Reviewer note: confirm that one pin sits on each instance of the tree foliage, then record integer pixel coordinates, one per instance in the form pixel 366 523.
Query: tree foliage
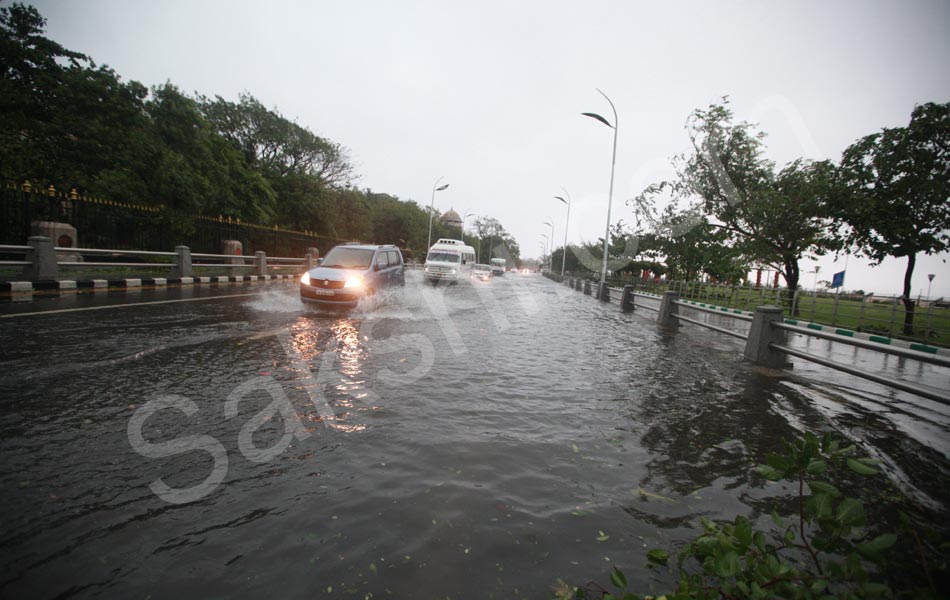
pixel 728 184
pixel 894 197
pixel 66 121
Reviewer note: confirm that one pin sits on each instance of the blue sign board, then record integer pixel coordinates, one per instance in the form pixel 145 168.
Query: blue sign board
pixel 838 280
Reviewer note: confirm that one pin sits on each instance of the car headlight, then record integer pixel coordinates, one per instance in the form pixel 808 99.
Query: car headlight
pixel 305 279
pixel 452 271
pixel 354 282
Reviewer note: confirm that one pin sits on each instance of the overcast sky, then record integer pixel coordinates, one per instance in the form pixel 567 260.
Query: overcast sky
pixel 488 94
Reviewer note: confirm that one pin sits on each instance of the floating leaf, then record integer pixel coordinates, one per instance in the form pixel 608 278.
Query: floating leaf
pixel 645 494
pixel 602 537
pixel 618 579
pixel 658 556
pixel 778 520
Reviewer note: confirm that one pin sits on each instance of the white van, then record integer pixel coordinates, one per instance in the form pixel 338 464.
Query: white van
pixel 449 260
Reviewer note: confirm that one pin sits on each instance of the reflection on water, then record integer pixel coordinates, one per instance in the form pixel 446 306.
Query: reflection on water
pixel 459 444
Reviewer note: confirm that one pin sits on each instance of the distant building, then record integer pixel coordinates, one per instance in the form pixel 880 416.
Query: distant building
pixel 451 218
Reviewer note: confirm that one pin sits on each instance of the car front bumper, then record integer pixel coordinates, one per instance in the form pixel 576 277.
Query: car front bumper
pixel 347 297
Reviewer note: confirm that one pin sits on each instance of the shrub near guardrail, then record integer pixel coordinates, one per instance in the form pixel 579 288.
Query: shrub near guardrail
pixel 826 551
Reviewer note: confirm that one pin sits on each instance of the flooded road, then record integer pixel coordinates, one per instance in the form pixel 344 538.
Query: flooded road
pixel 462 442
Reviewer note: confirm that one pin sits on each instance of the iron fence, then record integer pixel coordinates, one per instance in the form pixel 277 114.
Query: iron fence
pixel 112 225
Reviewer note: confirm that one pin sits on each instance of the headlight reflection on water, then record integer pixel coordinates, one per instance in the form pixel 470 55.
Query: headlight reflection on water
pixel 334 356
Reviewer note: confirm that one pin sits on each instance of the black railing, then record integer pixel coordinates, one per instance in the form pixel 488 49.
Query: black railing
pixel 126 226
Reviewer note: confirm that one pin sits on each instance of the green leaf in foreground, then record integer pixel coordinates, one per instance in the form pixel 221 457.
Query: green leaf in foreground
pixel 861 468
pixel 658 556
pixel 618 579
pixel 872 550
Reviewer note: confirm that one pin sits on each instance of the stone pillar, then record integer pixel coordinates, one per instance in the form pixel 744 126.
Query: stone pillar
pixel 63 235
pixel 762 333
pixel 182 262
pixel 627 299
pixel 309 261
pixel 587 288
pixel 233 247
pixel 668 310
pixel 260 262
pixel 42 258
pixel 604 295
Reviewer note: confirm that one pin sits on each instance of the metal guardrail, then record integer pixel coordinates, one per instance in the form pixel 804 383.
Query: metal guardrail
pixel 923 391
pixel 760 344
pixel 860 312
pixel 730 332
pixel 42 260
pixel 111 252
pixel 721 311
pixel 859 343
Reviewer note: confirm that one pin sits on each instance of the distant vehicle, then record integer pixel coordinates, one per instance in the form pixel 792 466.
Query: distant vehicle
pixel 449 260
pixel 498 266
pixel 481 272
pixel 350 272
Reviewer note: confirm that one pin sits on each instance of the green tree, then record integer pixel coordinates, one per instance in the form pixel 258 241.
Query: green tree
pixel 63 118
pixel 774 219
pixel 198 171
pixel 895 198
pixel 691 246
pixel 304 169
pixel 494 241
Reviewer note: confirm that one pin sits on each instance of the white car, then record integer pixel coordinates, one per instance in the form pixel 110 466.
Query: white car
pixel 481 272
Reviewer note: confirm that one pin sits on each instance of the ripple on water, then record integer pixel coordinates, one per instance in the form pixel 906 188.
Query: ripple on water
pixel 482 439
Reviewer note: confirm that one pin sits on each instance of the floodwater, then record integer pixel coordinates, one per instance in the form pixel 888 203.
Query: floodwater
pixel 475 441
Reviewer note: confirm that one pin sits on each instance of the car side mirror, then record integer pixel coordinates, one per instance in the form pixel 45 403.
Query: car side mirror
pixel 320 261
pixel 375 266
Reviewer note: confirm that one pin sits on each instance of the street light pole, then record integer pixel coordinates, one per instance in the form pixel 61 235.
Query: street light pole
pixel 435 188
pixel 550 223
pixel 610 196
pixel 467 215
pixel 544 246
pixel 566 223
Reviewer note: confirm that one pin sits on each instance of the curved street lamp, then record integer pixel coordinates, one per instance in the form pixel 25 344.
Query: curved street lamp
pixel 435 188
pixel 610 196
pixel 550 223
pixel 566 223
pixel 467 215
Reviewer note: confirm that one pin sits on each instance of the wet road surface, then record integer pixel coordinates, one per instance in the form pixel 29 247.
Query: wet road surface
pixel 465 442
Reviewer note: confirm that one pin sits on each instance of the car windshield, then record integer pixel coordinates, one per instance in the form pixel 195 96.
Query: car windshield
pixel 443 257
pixel 482 268
pixel 348 258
